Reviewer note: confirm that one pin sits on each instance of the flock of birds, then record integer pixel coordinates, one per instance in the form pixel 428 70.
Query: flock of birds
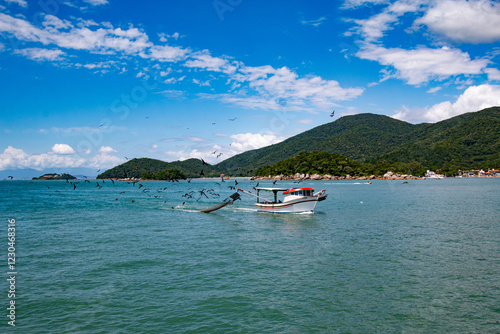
pixel 144 189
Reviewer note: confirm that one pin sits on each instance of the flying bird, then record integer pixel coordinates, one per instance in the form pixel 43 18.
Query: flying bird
pixel 201 173
pixel 233 119
pixel 332 114
pixel 204 163
pixel 218 155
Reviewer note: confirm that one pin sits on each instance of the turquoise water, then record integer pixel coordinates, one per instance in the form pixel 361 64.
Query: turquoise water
pixel 422 257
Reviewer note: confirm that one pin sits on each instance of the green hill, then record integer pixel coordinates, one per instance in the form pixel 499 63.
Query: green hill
pixel 466 141
pixel 137 168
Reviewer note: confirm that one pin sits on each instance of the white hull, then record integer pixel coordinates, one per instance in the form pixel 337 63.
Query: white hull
pixel 299 205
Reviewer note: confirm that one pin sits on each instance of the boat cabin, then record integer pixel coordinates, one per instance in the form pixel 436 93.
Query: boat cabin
pixel 269 199
pixel 289 194
pixel 299 192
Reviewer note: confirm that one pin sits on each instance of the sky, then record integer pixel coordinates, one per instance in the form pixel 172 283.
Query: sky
pixel 93 83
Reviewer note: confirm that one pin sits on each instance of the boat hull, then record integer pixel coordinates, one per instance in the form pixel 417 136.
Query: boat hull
pixel 305 205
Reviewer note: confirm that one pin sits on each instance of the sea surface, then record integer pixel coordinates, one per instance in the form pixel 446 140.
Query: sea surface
pixel 386 257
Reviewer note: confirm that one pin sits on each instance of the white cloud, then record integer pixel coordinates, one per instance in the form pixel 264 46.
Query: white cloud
pixel 250 141
pixel 352 4
pixel 172 93
pixel 434 89
pixel 314 23
pixel 423 64
pixel 107 149
pixel 240 143
pixel 104 160
pixel 39 54
pixel 14 158
pixel 373 28
pixel 473 21
pixel 96 2
pixel 22 3
pixel 165 53
pixel 272 89
pixel 475 98
pixel 205 61
pixel 493 74
pixel 103 38
pixel 62 149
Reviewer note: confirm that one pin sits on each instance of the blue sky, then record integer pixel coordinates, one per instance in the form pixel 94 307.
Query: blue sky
pixel 91 83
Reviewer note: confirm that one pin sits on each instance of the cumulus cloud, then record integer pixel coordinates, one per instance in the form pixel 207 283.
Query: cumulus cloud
pixel 474 98
pixel 107 150
pixel 250 141
pixel 104 159
pixel 61 156
pixel 240 143
pixel 474 21
pixel 423 64
pixel 14 158
pixel 92 37
pixel 63 149
pixel 493 74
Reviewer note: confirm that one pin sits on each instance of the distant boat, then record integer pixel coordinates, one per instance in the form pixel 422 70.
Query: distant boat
pixel 433 175
pixel 294 200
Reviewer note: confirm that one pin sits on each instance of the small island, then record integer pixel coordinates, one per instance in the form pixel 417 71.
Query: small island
pixel 55 176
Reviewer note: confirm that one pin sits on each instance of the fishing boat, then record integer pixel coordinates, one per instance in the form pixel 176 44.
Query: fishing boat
pixel 294 199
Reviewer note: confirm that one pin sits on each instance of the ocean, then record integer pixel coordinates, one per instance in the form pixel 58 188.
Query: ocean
pixel 386 257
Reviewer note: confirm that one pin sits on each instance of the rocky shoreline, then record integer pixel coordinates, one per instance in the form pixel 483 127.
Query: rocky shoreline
pixel 313 177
